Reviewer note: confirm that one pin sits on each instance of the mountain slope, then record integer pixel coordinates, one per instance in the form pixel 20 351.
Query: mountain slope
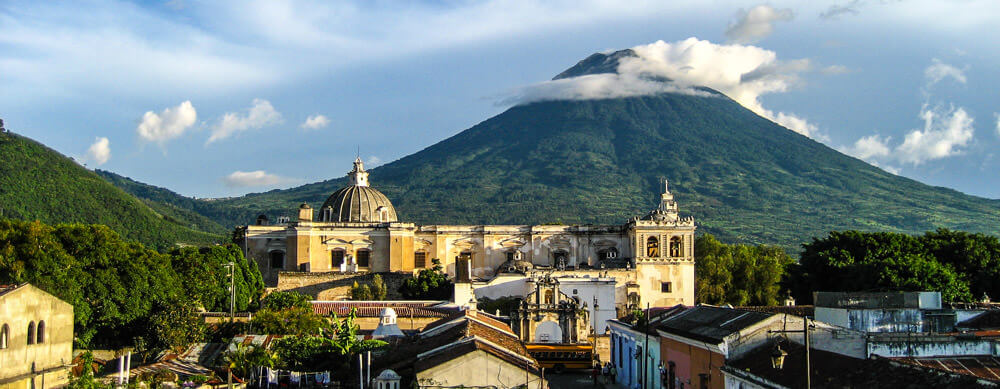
pixel 183 210
pixel 743 177
pixel 38 183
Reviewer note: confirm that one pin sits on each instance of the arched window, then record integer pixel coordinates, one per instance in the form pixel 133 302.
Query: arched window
pixel 363 256
pixel 652 247
pixel 676 247
pixel 336 258
pixel 31 333
pixel 40 338
pixel 4 335
pixel 277 259
pixel 550 297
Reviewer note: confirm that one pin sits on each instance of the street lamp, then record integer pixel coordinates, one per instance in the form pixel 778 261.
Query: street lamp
pixel 778 356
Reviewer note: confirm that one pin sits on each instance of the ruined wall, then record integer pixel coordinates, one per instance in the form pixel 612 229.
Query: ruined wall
pixel 336 285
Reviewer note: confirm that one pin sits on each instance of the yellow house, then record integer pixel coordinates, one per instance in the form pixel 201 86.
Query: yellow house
pixel 36 338
pixel 357 230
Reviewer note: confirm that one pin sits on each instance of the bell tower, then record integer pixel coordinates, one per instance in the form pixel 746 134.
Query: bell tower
pixel 358 176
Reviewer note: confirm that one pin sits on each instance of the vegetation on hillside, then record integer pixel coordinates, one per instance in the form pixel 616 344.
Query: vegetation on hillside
pixel 123 293
pixel 962 266
pixel 38 183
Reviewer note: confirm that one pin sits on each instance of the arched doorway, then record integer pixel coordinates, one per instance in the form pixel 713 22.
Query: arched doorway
pixel 548 332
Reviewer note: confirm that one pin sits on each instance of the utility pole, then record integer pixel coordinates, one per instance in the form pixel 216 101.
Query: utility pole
pixel 805 341
pixel 232 291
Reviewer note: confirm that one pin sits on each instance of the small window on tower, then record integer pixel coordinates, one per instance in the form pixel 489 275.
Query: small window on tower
pixel 665 287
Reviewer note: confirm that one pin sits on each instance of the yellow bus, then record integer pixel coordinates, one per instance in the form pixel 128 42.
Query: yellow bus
pixel 559 357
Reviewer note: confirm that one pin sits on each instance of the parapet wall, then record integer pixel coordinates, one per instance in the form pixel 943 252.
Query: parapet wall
pixel 336 285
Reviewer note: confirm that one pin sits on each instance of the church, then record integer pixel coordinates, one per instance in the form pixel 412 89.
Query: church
pixel 358 231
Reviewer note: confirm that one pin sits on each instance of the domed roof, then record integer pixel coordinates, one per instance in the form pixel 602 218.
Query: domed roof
pixel 358 202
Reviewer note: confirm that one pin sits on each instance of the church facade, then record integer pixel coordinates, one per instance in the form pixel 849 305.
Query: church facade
pixel 357 230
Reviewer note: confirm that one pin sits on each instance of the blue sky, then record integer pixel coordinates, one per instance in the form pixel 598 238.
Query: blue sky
pixel 224 98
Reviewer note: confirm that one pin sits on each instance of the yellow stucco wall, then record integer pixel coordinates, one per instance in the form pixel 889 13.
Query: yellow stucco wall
pixel 19 360
pixel 478 369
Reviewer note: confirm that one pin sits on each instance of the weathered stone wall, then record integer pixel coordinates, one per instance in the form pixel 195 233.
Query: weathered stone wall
pixel 336 285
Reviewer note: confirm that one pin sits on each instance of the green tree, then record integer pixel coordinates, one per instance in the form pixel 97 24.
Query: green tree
pixel 738 274
pixel 242 359
pixel 176 326
pixel 317 352
pixel 360 292
pixel 290 321
pixel 850 261
pixel 277 301
pixel 429 284
pixel 378 288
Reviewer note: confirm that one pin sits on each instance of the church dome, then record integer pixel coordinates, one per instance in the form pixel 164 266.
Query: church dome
pixel 358 202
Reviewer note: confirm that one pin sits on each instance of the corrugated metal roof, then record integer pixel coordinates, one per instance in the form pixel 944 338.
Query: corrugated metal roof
pixel 986 367
pixel 710 324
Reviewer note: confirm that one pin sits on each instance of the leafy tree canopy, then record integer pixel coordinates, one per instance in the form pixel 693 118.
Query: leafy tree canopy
pixel 738 274
pixel 960 265
pixel 116 286
pixel 429 284
pixel 278 301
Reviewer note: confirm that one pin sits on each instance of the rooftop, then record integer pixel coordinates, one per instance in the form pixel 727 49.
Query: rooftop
pixel 985 367
pixel 404 309
pixel 831 370
pixel 710 324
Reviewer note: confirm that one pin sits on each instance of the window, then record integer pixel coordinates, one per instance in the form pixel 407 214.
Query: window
pixel 610 253
pixel 40 338
pixel 510 256
pixel 336 258
pixel 676 247
pixel 420 259
pixel 652 247
pixel 363 256
pixel 704 380
pixel 4 336
pixel 31 333
pixel 665 287
pixel 549 297
pixel 277 260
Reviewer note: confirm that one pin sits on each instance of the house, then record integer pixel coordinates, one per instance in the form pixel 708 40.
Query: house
pixel 36 338
pixel 635 348
pixel 472 350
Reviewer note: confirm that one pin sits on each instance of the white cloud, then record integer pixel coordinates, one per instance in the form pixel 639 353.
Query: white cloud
pixel 833 70
pixel 596 86
pixel 373 161
pixel 261 114
pixel 756 24
pixel 997 115
pixel 944 134
pixel 938 71
pixel 100 151
pixel 315 122
pixel 742 72
pixel 869 147
pixel 168 124
pixel 256 178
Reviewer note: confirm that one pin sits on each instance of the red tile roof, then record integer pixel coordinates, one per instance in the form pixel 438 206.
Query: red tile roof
pixel 374 308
